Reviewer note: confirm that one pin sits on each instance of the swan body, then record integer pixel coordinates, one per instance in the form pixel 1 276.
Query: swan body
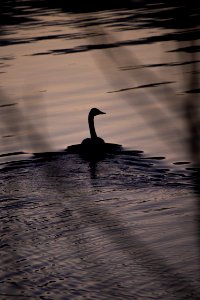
pixel 93 146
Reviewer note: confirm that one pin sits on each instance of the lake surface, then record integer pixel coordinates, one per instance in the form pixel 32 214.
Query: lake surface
pixel 126 226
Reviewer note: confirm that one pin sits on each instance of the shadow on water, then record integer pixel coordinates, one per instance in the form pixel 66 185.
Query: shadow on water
pixel 138 251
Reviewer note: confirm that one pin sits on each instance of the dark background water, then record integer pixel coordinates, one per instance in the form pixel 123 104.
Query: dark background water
pixel 127 226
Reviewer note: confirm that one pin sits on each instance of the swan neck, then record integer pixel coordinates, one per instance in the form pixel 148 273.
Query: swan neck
pixel 91 127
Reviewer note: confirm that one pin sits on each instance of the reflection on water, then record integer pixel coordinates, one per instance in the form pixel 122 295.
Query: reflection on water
pixel 122 227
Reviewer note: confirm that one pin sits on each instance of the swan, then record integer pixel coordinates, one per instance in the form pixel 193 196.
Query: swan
pixel 94 139
pixel 93 146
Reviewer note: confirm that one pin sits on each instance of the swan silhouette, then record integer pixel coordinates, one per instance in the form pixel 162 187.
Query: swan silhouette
pixel 93 146
pixel 94 140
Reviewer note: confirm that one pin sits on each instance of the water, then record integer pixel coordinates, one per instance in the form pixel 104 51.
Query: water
pixel 54 69
pixel 120 228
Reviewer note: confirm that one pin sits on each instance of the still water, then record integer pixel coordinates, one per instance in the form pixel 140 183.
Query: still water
pixel 120 228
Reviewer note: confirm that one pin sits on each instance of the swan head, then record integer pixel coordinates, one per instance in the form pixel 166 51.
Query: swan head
pixel 95 111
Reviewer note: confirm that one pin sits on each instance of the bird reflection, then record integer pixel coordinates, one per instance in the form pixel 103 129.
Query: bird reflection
pixel 93 169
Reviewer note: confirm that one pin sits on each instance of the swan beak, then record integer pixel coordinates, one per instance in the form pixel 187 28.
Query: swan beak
pixel 102 113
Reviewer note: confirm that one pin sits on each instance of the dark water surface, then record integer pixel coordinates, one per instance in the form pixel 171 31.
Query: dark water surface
pixel 122 228
pixel 125 227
